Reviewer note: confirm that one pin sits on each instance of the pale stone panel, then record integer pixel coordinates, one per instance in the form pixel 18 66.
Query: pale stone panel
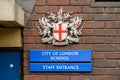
pixel 11 13
pixel 10 37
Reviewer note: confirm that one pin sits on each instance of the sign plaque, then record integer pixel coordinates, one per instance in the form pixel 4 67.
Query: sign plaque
pixel 61 67
pixel 60 60
pixel 60 55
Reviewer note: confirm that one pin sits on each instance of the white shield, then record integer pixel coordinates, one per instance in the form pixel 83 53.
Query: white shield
pixel 60 31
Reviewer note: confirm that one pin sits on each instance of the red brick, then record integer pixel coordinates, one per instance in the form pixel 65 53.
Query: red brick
pixel 118 17
pixel 118 47
pixel 40 46
pixel 74 9
pixel 112 55
pixel 112 71
pixel 118 78
pixel 105 63
pixel 34 77
pixel 85 16
pixel 26 63
pixel 93 24
pixel 28 39
pixel 82 46
pixel 105 47
pixel 100 34
pixel 38 40
pixel 112 39
pixel 98 55
pixel 105 32
pixel 119 63
pixel 25 55
pixel 87 9
pixel 37 24
pixel 80 2
pixel 58 77
pixel 87 77
pixel 26 71
pixel 30 25
pixel 118 32
pixel 64 77
pixel 58 2
pixel 35 17
pixel 113 10
pixel 87 32
pixel 45 9
pixel 112 24
pixel 50 46
pixel 98 71
pixel 28 47
pixel 105 17
pixel 31 32
pixel 40 2
pixel 93 39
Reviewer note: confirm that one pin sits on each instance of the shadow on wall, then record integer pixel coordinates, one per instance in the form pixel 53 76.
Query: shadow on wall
pixel 27 6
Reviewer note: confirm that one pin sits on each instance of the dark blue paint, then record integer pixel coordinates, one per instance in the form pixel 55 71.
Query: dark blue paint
pixel 7 58
pixel 83 56
pixel 53 67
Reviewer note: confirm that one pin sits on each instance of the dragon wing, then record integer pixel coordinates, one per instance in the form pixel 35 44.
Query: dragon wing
pixel 42 23
pixel 78 22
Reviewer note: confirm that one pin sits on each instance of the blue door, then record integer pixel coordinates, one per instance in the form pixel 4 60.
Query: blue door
pixel 9 65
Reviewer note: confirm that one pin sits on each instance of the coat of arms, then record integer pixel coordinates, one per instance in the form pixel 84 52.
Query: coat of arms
pixel 60 29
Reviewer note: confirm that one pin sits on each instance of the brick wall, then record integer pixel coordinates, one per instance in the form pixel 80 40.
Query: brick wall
pixel 101 34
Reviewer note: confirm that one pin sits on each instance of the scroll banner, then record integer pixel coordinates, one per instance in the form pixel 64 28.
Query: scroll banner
pixel 60 60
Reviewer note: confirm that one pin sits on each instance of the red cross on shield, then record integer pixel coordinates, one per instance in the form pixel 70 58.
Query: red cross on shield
pixel 60 31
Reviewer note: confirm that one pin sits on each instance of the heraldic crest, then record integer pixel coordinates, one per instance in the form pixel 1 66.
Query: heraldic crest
pixel 60 29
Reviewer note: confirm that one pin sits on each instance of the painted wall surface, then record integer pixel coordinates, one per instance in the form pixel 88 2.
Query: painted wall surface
pixel 101 34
